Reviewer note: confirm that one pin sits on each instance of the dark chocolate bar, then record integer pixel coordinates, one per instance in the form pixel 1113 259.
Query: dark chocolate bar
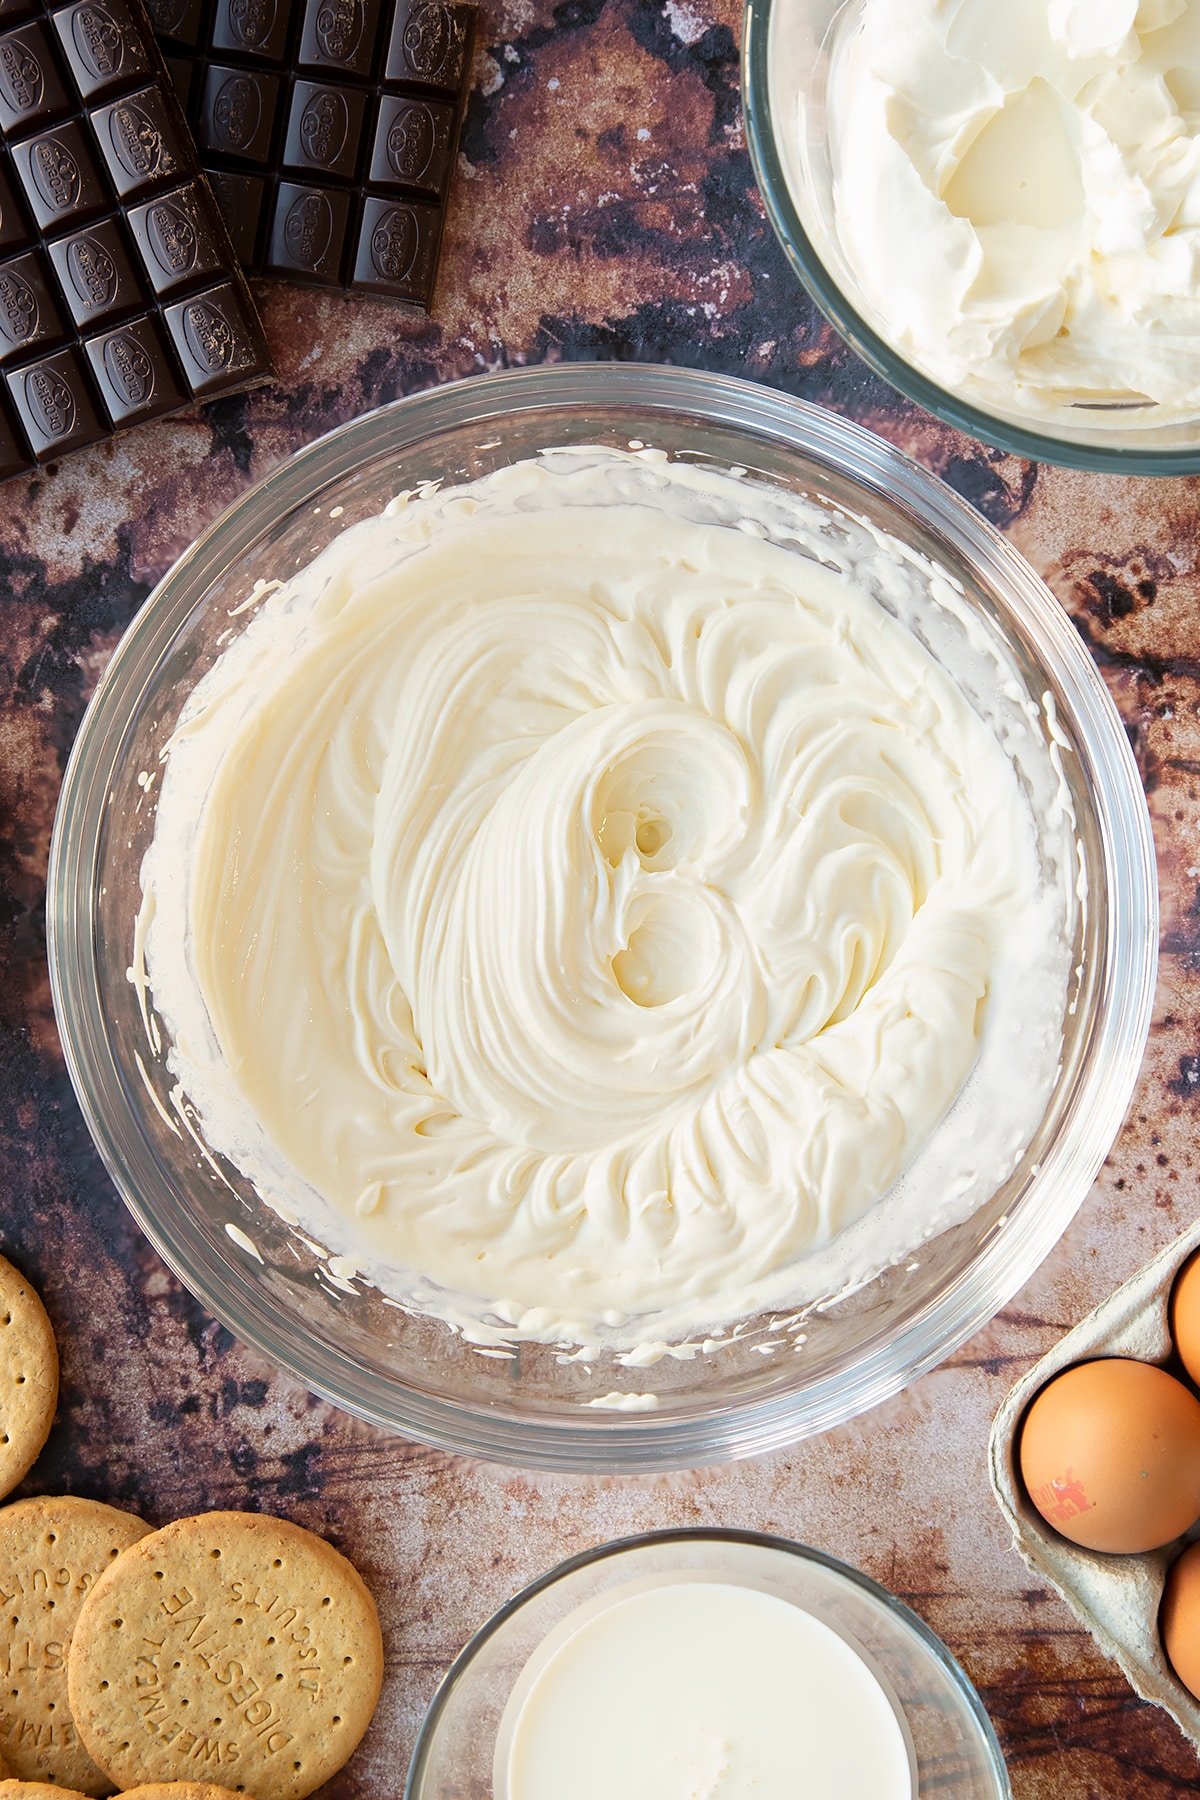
pixel 120 294
pixel 328 129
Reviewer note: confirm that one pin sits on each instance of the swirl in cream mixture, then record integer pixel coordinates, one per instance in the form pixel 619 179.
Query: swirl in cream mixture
pixel 589 903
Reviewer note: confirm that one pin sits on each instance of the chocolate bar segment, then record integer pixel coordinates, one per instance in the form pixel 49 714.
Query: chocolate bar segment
pixel 329 130
pixel 398 249
pixel 339 36
pixel 142 142
pixel 325 127
pixel 176 240
pixel 181 21
pixel 54 401
pixel 428 46
pixel 237 119
pixel 215 335
pixel 31 90
pixel 308 234
pixel 29 315
pixel 103 47
pixel 135 372
pixel 61 181
pixel 413 144
pixel 251 28
pixel 96 275
pixel 121 297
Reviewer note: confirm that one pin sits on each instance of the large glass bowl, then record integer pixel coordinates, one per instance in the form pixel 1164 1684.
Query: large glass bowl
pixel 785 85
pixel 951 1741
pixel 413 1375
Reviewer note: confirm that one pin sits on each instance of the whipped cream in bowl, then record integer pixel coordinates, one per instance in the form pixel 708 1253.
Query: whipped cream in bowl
pixel 999 206
pixel 616 913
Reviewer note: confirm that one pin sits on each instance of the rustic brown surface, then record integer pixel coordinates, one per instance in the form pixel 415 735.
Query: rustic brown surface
pixel 606 208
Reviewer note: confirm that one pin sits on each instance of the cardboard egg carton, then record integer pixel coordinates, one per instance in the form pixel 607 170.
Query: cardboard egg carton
pixel 1117 1597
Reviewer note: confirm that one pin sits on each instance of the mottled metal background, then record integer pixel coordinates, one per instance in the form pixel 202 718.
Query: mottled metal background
pixel 605 208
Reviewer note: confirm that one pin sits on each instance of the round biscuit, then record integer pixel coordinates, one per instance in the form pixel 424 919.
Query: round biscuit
pixel 234 1647
pixel 179 1790
pixel 51 1552
pixel 28 1376
pixel 36 1790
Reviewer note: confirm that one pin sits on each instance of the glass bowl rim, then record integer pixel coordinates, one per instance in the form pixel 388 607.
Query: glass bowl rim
pixel 807 263
pixel 761 1540
pixel 606 1441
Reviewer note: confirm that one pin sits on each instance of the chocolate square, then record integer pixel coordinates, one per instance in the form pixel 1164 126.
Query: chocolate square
pixel 240 201
pixel 178 21
pixel 59 176
pixel 96 273
pixel 308 233
pixel 134 371
pixel 397 249
pixel 413 140
pixel 216 338
pixel 29 315
pixel 32 90
pixel 141 141
pixel 428 45
pixel 324 129
pixel 238 114
pixel 103 46
pixel 54 402
pixel 175 238
pixel 339 34
pixel 251 27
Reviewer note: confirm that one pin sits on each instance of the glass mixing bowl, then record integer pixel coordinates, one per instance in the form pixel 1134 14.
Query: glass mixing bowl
pixel 953 1746
pixel 785 84
pixel 412 1374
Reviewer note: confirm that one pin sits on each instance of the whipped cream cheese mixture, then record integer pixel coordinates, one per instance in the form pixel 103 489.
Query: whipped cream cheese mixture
pixel 579 896
pixel 1017 192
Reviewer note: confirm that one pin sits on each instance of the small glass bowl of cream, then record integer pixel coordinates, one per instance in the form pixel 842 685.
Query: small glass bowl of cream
pixel 690 1662
pixel 1000 220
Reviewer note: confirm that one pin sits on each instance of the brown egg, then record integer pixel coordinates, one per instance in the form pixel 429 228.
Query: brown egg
pixel 1179 1620
pixel 1110 1455
pixel 1185 1316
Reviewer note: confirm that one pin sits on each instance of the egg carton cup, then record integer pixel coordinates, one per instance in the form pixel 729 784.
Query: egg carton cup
pixel 1116 1597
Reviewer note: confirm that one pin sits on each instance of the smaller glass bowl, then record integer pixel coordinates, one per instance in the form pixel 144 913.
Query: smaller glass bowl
pixel 785 85
pixel 954 1747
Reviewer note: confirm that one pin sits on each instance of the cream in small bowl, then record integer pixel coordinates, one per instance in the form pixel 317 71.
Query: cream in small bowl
pixel 705 1662
pixel 1017 191
pixel 673 1685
